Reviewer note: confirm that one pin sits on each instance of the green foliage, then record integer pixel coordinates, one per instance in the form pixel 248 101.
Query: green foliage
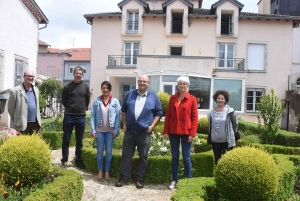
pixel 247 173
pixel 42 102
pixel 196 189
pixel 252 139
pixel 50 88
pixel 164 100
pixel 26 159
pixel 270 112
pixel 67 186
pixel 202 125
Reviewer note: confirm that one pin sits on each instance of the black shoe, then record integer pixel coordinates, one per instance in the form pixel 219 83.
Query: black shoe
pixel 139 183
pixel 79 164
pixel 121 182
pixel 64 164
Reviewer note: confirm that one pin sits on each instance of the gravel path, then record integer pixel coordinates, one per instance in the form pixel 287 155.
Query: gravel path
pixel 95 190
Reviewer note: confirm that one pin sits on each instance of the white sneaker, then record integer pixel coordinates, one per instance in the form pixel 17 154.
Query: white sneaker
pixel 172 185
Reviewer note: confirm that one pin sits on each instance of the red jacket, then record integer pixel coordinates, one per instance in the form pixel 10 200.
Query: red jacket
pixel 182 119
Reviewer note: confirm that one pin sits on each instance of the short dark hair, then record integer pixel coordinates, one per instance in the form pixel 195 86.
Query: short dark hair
pixel 221 92
pixel 107 83
pixel 78 68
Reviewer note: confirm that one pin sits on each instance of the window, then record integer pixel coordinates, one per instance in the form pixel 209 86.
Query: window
pixel 176 51
pixel 226 52
pixel 234 87
pixel 21 65
pixel 253 97
pixel 200 88
pixel 133 23
pixel 131 51
pixel 256 56
pixel 298 84
pixel 226 24
pixel 177 22
pixel 71 69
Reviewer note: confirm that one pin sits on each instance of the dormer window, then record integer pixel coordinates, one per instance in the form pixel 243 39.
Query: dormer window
pixel 226 24
pixel 177 22
pixel 132 23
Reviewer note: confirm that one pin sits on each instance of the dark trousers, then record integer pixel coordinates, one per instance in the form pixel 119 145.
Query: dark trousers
pixel 68 124
pixel 130 141
pixel 219 149
pixel 31 128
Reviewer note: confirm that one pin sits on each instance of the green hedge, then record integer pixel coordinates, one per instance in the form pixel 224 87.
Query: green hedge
pixel 159 167
pixel 196 189
pixel 67 186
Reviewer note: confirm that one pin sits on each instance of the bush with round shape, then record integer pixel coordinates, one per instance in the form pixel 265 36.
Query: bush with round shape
pixel 26 159
pixel 164 100
pixel 202 125
pixel 247 174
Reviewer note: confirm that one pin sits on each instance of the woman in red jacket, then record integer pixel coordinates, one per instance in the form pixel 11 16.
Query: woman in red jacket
pixel 181 123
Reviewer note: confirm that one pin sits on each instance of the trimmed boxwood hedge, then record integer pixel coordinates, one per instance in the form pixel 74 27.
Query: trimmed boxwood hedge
pixel 67 186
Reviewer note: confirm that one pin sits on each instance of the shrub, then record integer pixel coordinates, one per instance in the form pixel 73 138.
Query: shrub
pixel 247 173
pixel 252 139
pixel 164 100
pixel 26 159
pixel 202 125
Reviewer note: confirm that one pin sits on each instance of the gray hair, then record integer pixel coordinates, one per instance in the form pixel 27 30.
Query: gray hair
pixel 183 79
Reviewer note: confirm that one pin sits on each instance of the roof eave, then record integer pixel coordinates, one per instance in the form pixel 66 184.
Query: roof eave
pixel 38 9
pixel 204 16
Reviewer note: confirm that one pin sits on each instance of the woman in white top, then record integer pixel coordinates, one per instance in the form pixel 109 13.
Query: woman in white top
pixel 222 125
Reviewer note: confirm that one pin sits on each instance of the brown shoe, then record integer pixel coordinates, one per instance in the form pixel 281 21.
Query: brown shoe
pixel 107 176
pixel 139 183
pixel 121 182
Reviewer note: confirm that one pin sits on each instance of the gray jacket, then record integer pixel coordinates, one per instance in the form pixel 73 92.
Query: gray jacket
pixel 18 107
pixel 230 126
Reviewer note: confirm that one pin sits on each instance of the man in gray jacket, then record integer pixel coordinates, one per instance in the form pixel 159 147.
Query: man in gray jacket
pixel 23 106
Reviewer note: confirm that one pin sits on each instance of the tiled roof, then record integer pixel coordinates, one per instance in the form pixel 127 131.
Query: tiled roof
pixel 76 54
pixel 103 14
pixel 268 16
pixel 43 43
pixel 239 4
pixel 154 13
pixel 122 3
pixel 201 11
pixel 36 11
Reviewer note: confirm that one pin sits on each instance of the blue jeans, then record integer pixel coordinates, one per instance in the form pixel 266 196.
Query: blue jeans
pixel 130 141
pixel 186 152
pixel 104 139
pixel 68 125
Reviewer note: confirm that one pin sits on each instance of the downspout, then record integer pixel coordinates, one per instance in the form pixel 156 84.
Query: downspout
pixel 43 27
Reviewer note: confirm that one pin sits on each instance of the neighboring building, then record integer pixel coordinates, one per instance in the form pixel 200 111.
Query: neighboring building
pixel 20 20
pixel 51 61
pixel 288 7
pixel 218 48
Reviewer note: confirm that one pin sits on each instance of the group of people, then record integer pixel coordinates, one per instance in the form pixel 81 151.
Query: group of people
pixel 141 111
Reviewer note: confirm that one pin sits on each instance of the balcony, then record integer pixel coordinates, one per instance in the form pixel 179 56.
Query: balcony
pixel 132 27
pixel 122 61
pixel 176 27
pixel 226 28
pixel 230 64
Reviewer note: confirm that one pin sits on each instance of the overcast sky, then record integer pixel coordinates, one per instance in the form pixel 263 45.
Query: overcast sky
pixel 67 27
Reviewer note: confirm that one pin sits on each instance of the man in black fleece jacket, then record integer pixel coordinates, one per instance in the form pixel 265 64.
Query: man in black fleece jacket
pixel 75 98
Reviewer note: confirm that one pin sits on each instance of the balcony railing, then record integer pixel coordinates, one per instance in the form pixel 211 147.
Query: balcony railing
pixel 176 26
pixel 230 64
pixel 122 60
pixel 132 27
pixel 226 28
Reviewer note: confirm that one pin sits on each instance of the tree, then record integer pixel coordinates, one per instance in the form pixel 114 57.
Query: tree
pixel 49 89
pixel 270 112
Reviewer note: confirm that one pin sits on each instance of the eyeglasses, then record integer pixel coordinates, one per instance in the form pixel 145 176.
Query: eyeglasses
pixel 142 81
pixel 182 83
pixel 30 76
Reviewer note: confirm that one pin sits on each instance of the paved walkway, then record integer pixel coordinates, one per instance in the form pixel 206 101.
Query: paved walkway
pixel 95 190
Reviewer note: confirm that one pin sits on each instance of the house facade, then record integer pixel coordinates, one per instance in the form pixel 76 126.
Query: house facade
pixel 20 23
pixel 217 48
pixel 289 7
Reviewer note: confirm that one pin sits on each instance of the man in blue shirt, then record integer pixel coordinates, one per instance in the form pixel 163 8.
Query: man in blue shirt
pixel 141 110
pixel 23 106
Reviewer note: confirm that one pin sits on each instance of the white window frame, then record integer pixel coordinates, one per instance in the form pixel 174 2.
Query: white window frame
pixel 132 25
pixel 264 56
pixel 225 56
pixel 254 90
pixel 132 61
